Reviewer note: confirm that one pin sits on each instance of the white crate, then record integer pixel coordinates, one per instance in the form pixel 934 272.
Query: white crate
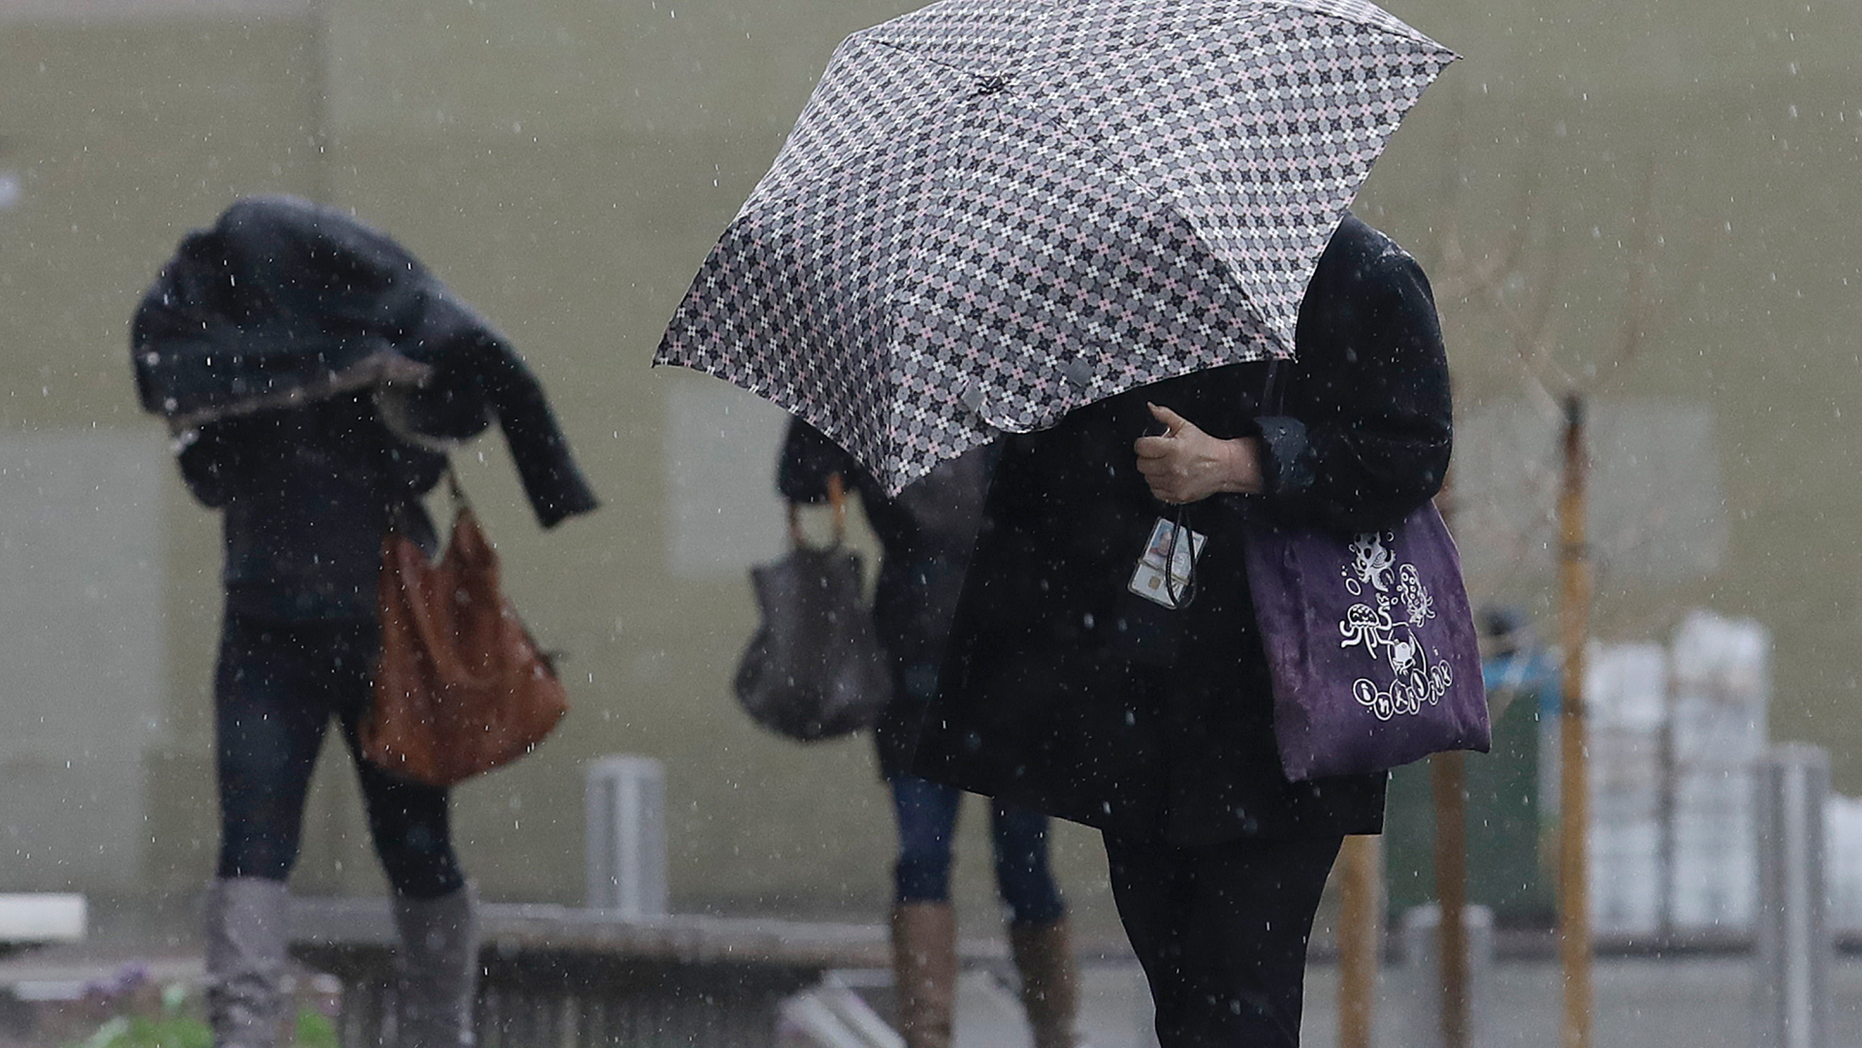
pixel 1625 878
pixel 1626 686
pixel 1722 691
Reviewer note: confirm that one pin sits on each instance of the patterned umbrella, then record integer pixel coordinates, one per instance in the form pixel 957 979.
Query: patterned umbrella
pixel 992 212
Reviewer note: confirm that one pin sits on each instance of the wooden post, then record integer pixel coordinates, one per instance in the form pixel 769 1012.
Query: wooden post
pixel 1448 776
pixel 1360 935
pixel 1448 783
pixel 1574 933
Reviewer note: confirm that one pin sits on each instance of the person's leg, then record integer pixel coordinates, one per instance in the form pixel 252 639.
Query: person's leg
pixel 927 819
pixel 412 831
pixel 1222 934
pixel 437 969
pixel 1254 907
pixel 1023 874
pixel 924 927
pixel 1151 892
pixel 435 907
pixel 1039 939
pixel 269 720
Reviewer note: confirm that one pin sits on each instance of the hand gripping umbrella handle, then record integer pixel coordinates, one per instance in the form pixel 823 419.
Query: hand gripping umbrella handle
pixel 837 498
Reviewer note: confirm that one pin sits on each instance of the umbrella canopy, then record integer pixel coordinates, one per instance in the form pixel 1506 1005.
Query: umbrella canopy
pixel 992 212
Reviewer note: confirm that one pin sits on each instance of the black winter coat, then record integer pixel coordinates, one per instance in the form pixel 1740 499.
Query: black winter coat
pixel 285 301
pixel 306 494
pixel 261 340
pixel 1060 691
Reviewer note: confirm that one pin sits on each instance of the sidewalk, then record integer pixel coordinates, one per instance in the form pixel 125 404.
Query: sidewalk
pixel 1692 1002
pixel 1688 1002
pixel 1700 1002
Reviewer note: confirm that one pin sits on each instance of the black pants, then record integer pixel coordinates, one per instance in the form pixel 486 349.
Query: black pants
pixel 278 686
pixel 1221 931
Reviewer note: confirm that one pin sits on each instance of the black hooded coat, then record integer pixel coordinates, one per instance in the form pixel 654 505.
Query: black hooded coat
pixel 308 364
pixel 1063 692
pixel 283 303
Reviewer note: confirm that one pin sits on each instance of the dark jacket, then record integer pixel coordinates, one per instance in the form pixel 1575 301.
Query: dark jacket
pixel 306 495
pixel 925 535
pixel 1063 692
pixel 262 342
pixel 282 298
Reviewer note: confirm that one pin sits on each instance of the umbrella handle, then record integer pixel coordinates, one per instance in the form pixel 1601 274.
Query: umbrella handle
pixel 837 498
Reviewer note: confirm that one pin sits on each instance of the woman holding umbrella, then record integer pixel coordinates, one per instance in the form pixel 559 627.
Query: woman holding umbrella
pixel 1024 225
pixel 1067 692
pixel 306 363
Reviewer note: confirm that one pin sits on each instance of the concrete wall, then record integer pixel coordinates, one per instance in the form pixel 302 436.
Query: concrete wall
pixel 565 164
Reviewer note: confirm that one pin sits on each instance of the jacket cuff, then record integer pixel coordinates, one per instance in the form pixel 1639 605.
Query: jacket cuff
pixel 1286 457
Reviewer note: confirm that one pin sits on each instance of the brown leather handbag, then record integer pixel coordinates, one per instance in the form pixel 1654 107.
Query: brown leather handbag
pixel 460 688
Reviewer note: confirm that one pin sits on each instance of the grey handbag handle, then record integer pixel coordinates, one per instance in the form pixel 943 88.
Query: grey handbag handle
pixel 1274 390
pixel 837 498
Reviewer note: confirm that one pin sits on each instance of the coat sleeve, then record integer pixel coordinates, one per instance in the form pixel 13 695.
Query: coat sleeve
pixel 1366 430
pixel 477 376
pixel 213 466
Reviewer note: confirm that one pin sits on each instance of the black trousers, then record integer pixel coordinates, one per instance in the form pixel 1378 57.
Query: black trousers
pixel 1221 931
pixel 278 687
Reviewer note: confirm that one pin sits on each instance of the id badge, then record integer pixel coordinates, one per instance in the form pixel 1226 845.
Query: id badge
pixel 1148 580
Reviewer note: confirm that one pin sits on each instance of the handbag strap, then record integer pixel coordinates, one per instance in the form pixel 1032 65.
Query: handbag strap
pixel 456 490
pixel 399 508
pixel 1273 389
pixel 837 498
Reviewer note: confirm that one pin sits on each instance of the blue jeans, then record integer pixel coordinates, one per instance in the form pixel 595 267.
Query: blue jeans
pixel 927 813
pixel 278 687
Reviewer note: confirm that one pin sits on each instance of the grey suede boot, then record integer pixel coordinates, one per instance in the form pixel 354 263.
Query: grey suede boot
pixel 438 969
pixel 246 938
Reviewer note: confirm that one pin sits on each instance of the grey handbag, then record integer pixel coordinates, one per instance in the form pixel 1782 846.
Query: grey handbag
pixel 814 669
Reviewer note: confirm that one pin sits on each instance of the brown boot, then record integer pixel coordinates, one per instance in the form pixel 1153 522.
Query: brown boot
pixel 1050 981
pixel 924 971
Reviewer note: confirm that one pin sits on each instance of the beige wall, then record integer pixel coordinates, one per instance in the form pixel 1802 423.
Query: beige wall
pixel 564 163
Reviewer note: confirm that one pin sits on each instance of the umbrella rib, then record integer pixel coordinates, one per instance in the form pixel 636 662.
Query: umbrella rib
pixel 1164 199
pixel 824 174
pixel 826 170
pixel 919 56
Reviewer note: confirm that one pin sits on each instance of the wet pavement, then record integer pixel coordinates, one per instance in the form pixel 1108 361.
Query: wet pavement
pixel 1693 1002
pixel 1642 1002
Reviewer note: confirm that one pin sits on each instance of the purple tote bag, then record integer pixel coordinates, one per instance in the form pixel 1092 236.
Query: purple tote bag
pixel 1370 643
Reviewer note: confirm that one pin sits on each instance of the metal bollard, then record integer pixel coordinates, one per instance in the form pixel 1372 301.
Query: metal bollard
pixel 1422 976
pixel 1791 980
pixel 624 802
